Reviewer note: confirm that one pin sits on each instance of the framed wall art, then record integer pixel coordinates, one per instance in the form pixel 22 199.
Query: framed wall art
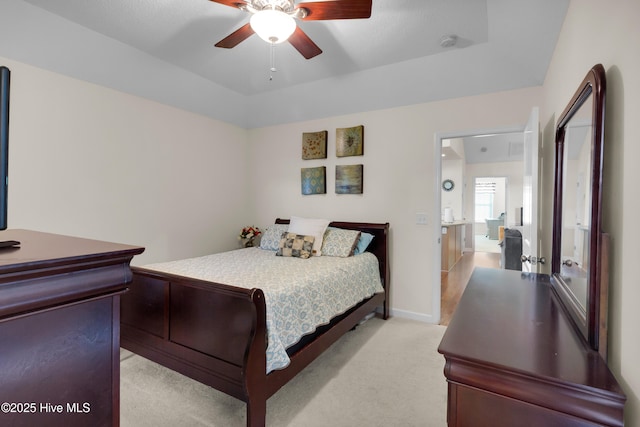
pixel 349 179
pixel 313 180
pixel 350 141
pixel 314 145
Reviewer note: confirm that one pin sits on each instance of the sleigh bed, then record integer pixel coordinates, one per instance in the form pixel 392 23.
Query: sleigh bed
pixel 218 333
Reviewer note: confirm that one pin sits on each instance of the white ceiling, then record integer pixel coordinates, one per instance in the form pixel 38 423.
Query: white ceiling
pixel 164 50
pixel 486 148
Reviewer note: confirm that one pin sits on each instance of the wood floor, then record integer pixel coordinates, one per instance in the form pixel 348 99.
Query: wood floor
pixel 454 282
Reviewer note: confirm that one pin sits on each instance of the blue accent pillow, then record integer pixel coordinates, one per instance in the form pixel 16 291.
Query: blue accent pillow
pixel 363 243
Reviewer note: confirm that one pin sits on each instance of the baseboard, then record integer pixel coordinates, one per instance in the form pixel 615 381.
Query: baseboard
pixel 420 317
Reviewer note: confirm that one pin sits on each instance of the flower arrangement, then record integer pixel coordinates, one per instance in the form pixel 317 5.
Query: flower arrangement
pixel 247 235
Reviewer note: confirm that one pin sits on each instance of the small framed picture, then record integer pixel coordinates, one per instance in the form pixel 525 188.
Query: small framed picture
pixel 314 145
pixel 350 141
pixel 313 180
pixel 349 179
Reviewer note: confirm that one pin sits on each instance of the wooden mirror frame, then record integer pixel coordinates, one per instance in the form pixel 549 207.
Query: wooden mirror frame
pixel 587 320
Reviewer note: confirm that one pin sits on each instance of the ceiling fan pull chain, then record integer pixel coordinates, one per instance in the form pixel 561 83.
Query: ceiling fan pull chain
pixel 272 68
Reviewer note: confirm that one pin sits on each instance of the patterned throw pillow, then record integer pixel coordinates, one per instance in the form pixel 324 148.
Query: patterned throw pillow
pixel 272 235
pixel 295 245
pixel 339 242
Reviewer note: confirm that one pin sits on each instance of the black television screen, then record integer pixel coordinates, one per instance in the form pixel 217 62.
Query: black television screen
pixel 5 75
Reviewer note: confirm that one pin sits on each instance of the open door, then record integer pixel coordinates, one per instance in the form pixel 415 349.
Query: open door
pixel 531 260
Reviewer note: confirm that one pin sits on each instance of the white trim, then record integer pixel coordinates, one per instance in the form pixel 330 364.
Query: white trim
pixel 437 228
pixel 424 318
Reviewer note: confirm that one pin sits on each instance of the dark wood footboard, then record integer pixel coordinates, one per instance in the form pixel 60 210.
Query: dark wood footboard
pixel 216 333
pixel 201 329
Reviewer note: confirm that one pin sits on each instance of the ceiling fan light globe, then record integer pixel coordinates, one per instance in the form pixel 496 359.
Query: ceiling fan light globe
pixel 273 26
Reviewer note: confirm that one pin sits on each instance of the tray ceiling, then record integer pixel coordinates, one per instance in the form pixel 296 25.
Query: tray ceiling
pixel 164 50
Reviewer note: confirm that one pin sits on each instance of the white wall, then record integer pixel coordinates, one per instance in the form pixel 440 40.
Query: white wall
pixel 93 162
pixel 399 178
pixel 453 170
pixel 607 33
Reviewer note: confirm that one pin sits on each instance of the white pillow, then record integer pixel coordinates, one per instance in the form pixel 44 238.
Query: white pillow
pixel 310 227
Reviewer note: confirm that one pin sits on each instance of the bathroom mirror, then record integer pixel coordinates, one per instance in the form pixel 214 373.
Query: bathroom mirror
pixel 576 258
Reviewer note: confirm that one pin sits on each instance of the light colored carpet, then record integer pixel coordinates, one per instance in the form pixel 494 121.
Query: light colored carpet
pixel 385 373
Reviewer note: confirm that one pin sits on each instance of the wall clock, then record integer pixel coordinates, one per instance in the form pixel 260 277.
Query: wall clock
pixel 447 185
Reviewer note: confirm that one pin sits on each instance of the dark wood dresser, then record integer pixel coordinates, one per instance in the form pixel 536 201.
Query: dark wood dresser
pixel 514 359
pixel 60 329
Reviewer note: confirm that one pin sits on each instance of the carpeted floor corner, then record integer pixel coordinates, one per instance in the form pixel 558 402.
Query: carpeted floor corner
pixel 385 373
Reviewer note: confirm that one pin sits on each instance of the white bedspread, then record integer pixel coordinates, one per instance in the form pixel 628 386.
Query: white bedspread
pixel 300 294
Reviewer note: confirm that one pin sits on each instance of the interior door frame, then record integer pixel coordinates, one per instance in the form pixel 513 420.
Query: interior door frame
pixel 531 212
pixel 437 206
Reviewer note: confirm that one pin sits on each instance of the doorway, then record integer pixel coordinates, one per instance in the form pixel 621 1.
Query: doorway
pixel 471 159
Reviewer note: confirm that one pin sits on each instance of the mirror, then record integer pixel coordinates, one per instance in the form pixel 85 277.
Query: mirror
pixel 576 258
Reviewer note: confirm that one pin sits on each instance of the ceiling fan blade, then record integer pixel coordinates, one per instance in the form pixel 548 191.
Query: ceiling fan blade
pixel 232 3
pixel 234 39
pixel 345 9
pixel 304 44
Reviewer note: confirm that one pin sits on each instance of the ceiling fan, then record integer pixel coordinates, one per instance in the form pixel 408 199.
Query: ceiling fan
pixel 274 20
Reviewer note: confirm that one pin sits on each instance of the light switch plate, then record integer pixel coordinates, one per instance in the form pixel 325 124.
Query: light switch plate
pixel 421 218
